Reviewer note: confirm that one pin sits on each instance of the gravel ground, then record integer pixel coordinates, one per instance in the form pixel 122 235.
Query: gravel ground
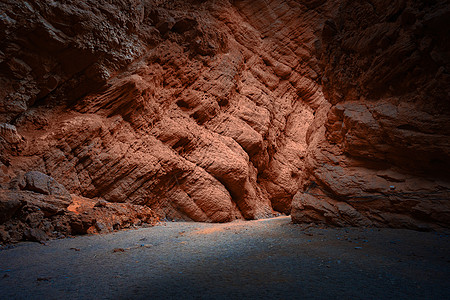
pixel 265 259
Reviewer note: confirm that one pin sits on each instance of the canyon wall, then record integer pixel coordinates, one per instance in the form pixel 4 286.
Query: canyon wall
pixel 220 110
pixel 378 149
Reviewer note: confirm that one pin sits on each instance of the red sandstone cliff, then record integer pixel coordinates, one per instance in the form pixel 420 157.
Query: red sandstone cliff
pixel 216 110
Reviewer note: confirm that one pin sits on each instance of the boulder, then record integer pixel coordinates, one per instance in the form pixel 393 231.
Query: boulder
pixel 41 183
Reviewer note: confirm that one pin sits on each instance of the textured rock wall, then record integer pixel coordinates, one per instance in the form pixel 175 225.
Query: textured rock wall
pixel 216 110
pixel 379 147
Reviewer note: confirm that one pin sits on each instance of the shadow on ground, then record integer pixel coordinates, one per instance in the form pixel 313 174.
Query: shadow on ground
pixel 270 259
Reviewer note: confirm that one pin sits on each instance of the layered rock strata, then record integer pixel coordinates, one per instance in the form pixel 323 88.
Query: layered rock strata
pixel 216 110
pixel 378 149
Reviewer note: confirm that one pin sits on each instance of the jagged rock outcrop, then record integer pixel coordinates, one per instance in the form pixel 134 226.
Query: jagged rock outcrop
pixel 217 110
pixel 37 207
pixel 379 149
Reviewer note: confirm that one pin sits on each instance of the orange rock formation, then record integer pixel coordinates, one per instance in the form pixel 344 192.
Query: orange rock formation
pixel 215 110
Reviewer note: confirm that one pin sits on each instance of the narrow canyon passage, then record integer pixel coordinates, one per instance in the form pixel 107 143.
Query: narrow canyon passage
pixel 114 115
pixel 270 258
pixel 196 121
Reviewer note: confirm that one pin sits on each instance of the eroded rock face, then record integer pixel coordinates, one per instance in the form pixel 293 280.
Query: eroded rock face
pixel 216 110
pixel 379 149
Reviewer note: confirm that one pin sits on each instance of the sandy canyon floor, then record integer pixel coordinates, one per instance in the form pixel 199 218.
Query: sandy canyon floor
pixel 272 259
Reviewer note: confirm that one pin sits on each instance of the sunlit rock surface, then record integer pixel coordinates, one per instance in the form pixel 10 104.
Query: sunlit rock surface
pixel 220 110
